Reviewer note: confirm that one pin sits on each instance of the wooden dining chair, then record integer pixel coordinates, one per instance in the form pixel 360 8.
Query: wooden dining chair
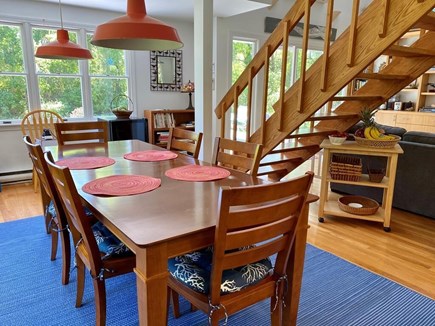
pixel 254 223
pixel 186 141
pixel 33 125
pixel 97 249
pixel 55 219
pixel 82 132
pixel 237 155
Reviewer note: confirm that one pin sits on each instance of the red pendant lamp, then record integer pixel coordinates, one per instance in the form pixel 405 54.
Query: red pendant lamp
pixel 136 31
pixel 62 47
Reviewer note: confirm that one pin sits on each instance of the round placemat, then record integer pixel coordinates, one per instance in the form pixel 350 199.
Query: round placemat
pixel 150 156
pixel 86 162
pixel 121 185
pixel 197 173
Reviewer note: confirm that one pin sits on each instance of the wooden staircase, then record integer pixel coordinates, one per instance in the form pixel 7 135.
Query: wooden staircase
pixel 293 133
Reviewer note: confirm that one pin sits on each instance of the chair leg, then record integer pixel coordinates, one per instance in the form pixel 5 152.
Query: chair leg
pixel 276 312
pixel 66 256
pixel 175 301
pixel 54 241
pixel 80 281
pixel 100 301
pixel 35 180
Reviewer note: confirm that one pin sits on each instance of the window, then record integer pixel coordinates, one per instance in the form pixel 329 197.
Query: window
pixel 242 53
pixel 59 81
pixel 73 88
pixel 13 78
pixel 108 78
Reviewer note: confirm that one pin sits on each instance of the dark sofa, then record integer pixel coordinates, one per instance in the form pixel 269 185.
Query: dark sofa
pixel 414 189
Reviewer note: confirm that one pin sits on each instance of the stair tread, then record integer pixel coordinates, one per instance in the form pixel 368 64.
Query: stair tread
pixel 427 22
pixel 406 51
pixel 277 158
pixel 307 131
pixel 331 116
pixel 268 169
pixel 373 75
pixel 291 147
pixel 357 98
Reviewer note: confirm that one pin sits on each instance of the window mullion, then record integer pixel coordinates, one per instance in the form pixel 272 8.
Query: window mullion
pixel 86 80
pixel 29 64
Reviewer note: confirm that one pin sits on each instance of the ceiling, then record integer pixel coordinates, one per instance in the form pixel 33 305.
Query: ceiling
pixel 179 9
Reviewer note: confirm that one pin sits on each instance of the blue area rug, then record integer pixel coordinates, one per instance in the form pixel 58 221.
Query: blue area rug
pixel 334 292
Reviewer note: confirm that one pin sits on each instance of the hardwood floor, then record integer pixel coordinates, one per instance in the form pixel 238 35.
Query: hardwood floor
pixel 405 255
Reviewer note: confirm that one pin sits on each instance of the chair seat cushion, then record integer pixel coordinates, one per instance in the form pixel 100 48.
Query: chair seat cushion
pixel 50 210
pixel 109 244
pixel 194 269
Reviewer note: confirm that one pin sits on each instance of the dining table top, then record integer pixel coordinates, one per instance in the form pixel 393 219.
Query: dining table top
pixel 174 209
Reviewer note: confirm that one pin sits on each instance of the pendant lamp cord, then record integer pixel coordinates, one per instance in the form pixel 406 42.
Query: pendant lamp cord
pixel 60 10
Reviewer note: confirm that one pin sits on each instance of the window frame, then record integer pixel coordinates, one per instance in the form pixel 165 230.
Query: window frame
pixel 31 75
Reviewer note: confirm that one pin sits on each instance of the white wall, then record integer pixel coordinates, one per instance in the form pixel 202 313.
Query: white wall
pixel 13 155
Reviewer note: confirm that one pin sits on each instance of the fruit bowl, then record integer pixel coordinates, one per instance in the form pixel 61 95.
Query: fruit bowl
pixel 387 142
pixel 336 140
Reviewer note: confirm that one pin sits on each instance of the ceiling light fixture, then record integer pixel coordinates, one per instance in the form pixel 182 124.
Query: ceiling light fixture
pixel 62 47
pixel 136 31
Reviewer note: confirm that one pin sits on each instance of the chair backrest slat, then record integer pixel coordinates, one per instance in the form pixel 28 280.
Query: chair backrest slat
pixel 185 140
pixel 79 132
pixel 34 123
pixel 237 155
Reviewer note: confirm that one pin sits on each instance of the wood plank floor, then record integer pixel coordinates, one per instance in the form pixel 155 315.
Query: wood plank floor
pixel 405 255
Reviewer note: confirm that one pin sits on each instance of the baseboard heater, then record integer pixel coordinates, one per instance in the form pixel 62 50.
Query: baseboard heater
pixel 15 176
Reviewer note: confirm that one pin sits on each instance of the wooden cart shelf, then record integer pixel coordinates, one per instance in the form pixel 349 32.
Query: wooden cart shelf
pixel 328 204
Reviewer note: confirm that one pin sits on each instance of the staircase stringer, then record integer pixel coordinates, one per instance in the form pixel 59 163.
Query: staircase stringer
pixel 403 15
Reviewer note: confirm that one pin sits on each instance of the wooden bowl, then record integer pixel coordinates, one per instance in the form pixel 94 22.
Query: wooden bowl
pixel 358 205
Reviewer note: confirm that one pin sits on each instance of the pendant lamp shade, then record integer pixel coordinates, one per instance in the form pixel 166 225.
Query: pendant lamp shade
pixel 136 31
pixel 62 48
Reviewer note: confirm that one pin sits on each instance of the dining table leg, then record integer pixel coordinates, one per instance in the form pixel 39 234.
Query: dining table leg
pixel 295 267
pixel 151 279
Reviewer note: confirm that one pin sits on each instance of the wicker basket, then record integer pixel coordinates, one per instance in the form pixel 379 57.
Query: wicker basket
pixel 376 175
pixel 379 143
pixel 345 168
pixel 358 205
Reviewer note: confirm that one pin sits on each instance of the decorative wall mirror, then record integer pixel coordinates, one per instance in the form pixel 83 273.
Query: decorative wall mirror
pixel 166 70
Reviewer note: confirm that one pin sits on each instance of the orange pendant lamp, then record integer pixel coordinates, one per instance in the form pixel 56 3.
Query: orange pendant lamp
pixel 62 47
pixel 136 31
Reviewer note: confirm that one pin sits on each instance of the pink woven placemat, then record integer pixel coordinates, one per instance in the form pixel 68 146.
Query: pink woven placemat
pixel 86 162
pixel 150 156
pixel 197 173
pixel 121 185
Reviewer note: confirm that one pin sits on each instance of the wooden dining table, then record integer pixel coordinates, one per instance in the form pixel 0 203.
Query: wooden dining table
pixel 174 219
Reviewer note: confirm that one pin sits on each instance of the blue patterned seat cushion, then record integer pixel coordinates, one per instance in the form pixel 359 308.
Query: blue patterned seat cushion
pixel 52 211
pixel 194 269
pixel 109 244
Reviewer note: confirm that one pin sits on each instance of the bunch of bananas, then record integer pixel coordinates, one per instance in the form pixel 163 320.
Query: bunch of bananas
pixel 374 133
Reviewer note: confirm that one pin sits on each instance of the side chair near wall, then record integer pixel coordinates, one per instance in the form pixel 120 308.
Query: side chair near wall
pixel 56 222
pixel 79 132
pixel 254 223
pixel 33 125
pixel 97 249
pixel 237 155
pixel 185 141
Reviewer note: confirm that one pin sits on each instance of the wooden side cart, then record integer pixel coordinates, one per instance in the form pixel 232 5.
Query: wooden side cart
pixel 329 206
